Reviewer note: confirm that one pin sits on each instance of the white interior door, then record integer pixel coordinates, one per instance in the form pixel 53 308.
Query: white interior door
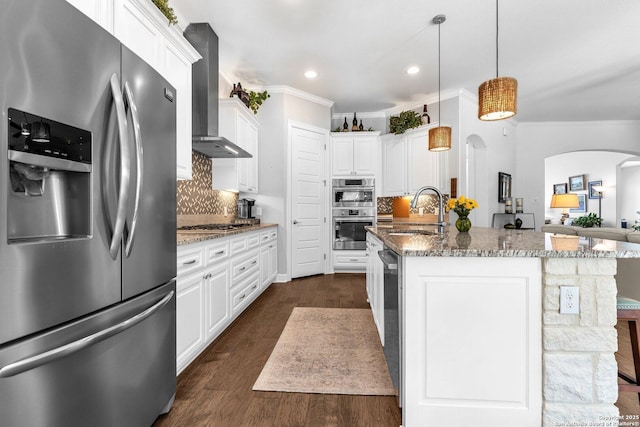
pixel 307 202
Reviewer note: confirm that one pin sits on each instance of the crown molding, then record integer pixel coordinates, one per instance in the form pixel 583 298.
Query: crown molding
pixel 288 90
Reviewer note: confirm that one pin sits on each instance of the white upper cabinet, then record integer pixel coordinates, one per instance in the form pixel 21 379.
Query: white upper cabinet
pixel 140 26
pixel 354 155
pixel 237 124
pixel 101 11
pixel 407 163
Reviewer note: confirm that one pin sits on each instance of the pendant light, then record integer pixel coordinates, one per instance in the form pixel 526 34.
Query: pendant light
pixel 440 137
pixel 497 98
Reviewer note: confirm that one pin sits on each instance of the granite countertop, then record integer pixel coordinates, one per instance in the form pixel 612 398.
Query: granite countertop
pixel 186 238
pixel 492 242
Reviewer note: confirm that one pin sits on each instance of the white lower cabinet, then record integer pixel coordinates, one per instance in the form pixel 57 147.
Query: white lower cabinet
pixel 348 260
pixel 190 336
pixel 217 280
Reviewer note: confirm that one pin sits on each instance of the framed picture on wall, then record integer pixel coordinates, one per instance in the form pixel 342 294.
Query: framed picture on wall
pixel 577 183
pixel 594 194
pixel 504 187
pixel 560 188
pixel 582 204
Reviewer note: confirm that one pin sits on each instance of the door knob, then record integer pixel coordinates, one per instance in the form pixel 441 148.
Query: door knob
pixel 295 221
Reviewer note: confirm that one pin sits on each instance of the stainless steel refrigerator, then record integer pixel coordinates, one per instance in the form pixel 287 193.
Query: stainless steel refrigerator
pixel 87 224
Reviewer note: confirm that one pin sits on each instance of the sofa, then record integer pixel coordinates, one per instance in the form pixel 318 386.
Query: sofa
pixel 628 271
pixel 609 233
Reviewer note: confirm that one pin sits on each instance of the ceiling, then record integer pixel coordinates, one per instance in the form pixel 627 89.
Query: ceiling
pixel 575 60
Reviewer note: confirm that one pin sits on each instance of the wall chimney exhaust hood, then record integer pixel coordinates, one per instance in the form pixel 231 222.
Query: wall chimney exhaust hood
pixel 205 96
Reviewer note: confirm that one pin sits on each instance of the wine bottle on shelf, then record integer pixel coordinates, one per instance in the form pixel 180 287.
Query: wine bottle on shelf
pixel 360 128
pixel 355 123
pixel 233 91
pixel 345 126
pixel 425 116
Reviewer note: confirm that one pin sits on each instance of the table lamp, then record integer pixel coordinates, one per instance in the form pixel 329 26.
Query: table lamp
pixel 564 201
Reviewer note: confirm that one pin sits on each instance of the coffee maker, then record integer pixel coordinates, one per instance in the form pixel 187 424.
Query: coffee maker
pixel 245 208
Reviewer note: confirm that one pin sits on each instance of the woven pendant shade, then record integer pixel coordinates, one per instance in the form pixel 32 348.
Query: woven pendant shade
pixel 497 98
pixel 440 138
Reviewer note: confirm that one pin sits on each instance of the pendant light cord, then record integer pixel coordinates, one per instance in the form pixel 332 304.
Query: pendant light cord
pixel 439 116
pixel 497 74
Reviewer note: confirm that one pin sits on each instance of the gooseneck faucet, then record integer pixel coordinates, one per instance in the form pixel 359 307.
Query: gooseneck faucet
pixel 414 202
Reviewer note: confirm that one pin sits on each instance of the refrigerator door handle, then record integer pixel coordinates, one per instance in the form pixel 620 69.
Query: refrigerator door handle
pixel 125 168
pixel 128 94
pixel 59 352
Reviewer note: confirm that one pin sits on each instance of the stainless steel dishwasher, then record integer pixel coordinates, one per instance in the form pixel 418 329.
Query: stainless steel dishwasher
pixel 393 316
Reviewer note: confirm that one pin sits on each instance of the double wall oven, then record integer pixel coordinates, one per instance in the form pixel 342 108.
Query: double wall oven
pixel 353 210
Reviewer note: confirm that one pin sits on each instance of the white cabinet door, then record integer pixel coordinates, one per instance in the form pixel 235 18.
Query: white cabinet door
pixel 342 156
pixel 264 266
pixel 354 155
pixel 177 70
pixel 273 261
pixel 100 11
pixel 190 335
pixel 364 156
pixel 252 147
pixel 394 176
pixel 218 310
pixel 136 29
pixel 237 125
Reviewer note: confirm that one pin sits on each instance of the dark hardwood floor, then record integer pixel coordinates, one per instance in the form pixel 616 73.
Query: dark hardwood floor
pixel 628 402
pixel 215 390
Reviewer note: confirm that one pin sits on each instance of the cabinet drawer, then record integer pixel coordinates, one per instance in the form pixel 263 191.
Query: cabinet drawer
pixel 268 235
pixel 217 252
pixel 241 267
pixel 190 260
pixel 350 260
pixel 238 244
pixel 245 293
pixel 253 240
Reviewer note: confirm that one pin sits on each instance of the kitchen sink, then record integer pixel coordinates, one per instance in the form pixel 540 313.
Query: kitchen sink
pixel 413 232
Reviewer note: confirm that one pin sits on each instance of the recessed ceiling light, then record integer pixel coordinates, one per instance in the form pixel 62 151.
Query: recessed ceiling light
pixel 413 69
pixel 310 74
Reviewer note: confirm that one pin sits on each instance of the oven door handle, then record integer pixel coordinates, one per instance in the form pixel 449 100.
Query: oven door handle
pixel 353 219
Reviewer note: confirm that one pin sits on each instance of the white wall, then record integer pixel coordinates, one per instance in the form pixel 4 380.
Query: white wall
pixel 597 166
pixel 498 154
pixel 629 191
pixel 537 141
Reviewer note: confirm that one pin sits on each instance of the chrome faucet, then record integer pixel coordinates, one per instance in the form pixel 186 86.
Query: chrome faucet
pixel 414 203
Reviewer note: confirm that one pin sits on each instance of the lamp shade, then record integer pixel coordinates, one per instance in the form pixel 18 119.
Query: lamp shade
pixel 498 98
pixel 440 138
pixel 569 200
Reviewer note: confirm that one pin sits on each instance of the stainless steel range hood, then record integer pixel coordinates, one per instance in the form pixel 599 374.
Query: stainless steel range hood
pixel 205 96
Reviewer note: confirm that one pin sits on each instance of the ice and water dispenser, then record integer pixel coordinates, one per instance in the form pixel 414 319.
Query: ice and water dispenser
pixel 49 194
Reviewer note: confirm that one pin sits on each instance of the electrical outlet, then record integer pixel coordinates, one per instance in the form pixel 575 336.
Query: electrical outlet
pixel 225 211
pixel 569 300
pixel 421 211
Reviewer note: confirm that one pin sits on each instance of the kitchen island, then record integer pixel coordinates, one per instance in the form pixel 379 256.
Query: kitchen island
pixel 483 341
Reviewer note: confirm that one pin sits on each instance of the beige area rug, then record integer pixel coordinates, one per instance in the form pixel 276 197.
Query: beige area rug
pixel 330 351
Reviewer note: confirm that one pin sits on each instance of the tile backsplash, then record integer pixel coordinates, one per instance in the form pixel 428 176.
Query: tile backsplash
pixel 196 197
pixel 427 201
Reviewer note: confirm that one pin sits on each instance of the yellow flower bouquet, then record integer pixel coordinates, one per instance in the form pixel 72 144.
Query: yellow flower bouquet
pixel 463 207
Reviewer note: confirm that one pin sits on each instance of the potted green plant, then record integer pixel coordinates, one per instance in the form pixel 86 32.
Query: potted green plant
pixel 256 99
pixel 590 220
pixel 405 120
pixel 163 6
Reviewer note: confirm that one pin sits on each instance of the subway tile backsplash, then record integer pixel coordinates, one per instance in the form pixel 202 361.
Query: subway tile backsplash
pixel 196 197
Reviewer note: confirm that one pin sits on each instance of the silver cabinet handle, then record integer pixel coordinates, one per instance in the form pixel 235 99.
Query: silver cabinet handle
pixel 254 262
pixel 242 268
pixel 219 252
pixel 242 296
pixel 208 276
pixel 75 346
pixel 137 138
pixel 125 168
pixel 270 246
pixel 254 286
pixel 353 260
pixel 265 237
pixel 193 261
